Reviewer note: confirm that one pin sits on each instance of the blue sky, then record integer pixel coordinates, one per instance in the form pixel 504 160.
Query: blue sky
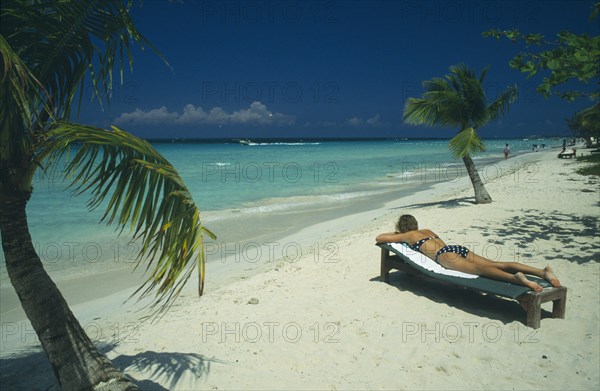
pixel 326 69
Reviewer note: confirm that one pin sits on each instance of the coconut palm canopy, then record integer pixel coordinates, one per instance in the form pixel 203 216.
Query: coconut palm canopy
pixel 587 122
pixel 458 100
pixel 48 48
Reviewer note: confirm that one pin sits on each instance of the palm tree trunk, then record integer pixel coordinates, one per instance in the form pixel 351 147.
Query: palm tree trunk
pixel 76 362
pixel 481 194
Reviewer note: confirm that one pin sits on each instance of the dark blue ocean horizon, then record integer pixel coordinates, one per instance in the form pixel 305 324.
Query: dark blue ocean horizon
pixel 267 140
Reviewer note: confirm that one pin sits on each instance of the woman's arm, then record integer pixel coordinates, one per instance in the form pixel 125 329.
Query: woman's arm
pixel 391 237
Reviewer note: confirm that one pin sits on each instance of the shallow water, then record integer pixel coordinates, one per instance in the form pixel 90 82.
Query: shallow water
pixel 253 192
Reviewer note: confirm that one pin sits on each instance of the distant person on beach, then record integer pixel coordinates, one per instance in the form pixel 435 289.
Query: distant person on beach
pixel 506 151
pixel 460 258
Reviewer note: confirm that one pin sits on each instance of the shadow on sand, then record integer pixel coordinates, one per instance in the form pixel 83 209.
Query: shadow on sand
pixel 170 367
pixel 16 371
pixel 571 232
pixel 475 303
pixel 453 203
pixel 568 232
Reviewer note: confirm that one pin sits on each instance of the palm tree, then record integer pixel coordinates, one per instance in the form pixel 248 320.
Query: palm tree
pixel 586 123
pixel 459 100
pixel 47 48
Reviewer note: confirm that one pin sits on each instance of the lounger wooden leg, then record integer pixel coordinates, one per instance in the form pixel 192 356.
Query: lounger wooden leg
pixel 559 306
pixel 534 311
pixel 385 269
pixel 532 303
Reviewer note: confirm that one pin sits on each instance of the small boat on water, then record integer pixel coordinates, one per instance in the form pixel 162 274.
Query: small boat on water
pixel 245 141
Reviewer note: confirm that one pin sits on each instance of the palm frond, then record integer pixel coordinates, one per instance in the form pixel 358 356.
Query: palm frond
pixel 15 82
pixel 20 92
pixel 458 99
pixel 466 142
pixel 483 74
pixel 436 108
pixel 469 86
pixel 590 117
pixel 436 84
pixel 140 190
pixel 476 101
pixel 454 78
pixel 502 103
pixel 15 115
pixel 62 41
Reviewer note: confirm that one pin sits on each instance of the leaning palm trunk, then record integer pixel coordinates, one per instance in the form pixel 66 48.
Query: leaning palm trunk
pixel 459 99
pixel 77 364
pixel 481 194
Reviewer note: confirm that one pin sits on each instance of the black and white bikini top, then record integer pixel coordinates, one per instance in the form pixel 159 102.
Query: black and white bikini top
pixel 417 246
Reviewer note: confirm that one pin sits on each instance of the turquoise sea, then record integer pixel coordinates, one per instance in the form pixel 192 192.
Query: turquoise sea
pixel 240 187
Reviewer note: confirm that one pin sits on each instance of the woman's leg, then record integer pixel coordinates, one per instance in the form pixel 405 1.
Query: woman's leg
pixel 515 267
pixel 480 266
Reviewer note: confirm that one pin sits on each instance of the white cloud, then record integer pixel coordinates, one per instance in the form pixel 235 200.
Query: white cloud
pixel 373 121
pixel 197 115
pixel 156 116
pixel 356 121
pixel 257 113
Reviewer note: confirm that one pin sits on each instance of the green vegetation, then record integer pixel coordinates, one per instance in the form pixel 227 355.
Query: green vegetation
pixel 459 100
pixel 586 123
pixel 570 57
pixel 594 168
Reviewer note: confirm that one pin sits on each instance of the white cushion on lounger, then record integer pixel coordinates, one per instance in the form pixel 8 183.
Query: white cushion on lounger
pixel 428 263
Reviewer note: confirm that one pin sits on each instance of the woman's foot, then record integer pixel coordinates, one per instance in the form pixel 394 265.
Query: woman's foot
pixel 550 277
pixel 520 277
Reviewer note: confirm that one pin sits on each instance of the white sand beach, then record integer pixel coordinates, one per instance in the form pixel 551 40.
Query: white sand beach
pixel 325 321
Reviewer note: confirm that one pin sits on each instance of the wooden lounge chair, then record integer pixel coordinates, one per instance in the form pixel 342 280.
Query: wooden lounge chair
pixel 566 155
pixel 401 257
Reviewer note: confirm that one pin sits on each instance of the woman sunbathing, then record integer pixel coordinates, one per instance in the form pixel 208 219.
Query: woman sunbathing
pixel 460 258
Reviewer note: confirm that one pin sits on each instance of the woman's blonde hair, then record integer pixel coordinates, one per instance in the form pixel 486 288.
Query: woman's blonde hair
pixel 407 223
